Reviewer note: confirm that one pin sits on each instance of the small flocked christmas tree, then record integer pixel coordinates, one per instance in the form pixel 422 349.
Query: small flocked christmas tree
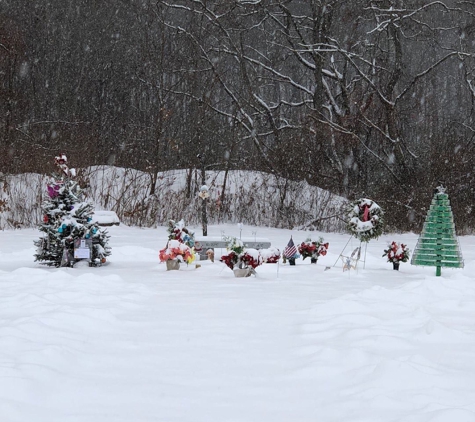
pixel 437 245
pixel 178 231
pixel 69 233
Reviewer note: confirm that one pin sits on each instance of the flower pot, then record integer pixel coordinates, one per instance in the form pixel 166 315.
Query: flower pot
pixel 173 264
pixel 292 261
pixel 313 260
pixel 396 266
pixel 242 272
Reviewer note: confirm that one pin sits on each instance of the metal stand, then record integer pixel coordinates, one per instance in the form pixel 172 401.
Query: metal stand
pixel 351 237
pixel 351 261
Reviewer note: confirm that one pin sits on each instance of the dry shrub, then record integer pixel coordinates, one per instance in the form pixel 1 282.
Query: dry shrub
pixel 252 198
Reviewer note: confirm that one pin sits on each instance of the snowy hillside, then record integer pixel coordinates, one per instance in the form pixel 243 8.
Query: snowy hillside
pixel 249 197
pixel 132 342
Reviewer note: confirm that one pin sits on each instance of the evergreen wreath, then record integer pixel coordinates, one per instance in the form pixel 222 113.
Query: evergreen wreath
pixel 365 219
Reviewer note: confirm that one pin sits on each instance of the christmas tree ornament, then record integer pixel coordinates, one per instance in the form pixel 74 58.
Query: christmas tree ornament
pixel 53 190
pixel 437 245
pixel 61 162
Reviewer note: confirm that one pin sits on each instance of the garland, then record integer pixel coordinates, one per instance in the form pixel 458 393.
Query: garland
pixel 365 219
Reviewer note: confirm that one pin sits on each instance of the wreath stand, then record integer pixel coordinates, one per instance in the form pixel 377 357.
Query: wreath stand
pixel 350 262
pixel 366 222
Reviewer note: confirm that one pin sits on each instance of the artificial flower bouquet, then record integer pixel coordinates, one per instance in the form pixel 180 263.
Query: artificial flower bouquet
pixel 230 259
pixel 250 258
pixel 397 253
pixel 240 259
pixel 178 251
pixel 235 248
pixel 270 255
pixel 313 249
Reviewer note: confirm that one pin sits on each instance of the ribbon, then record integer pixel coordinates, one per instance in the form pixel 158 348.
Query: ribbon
pixel 366 215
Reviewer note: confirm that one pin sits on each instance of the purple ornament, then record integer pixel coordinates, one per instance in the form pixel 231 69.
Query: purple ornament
pixel 53 191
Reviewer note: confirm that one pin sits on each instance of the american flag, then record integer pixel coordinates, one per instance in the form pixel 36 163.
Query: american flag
pixel 290 250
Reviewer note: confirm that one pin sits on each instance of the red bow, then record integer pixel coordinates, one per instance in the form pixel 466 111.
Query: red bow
pixel 366 215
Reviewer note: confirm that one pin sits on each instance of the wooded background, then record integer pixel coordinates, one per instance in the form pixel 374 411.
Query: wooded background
pixel 363 98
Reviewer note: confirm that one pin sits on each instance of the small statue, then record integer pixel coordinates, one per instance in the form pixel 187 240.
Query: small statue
pixel 210 253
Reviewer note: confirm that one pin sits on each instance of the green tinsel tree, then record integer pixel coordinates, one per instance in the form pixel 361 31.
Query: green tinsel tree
pixel 438 245
pixel 69 233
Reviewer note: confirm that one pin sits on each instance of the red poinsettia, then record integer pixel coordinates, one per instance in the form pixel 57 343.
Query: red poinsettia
pixel 397 252
pixel 239 256
pixel 313 249
pixel 251 258
pixel 270 255
pixel 230 259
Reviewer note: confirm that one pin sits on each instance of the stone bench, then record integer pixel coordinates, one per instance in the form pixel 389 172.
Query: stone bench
pixel 105 218
pixel 203 243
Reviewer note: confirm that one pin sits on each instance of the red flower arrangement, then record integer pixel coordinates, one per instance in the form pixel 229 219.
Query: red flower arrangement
pixel 313 249
pixel 240 257
pixel 230 259
pixel 270 256
pixel 177 250
pixel 251 258
pixel 396 253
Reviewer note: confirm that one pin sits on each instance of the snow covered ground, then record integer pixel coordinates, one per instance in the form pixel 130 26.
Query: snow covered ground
pixel 131 342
